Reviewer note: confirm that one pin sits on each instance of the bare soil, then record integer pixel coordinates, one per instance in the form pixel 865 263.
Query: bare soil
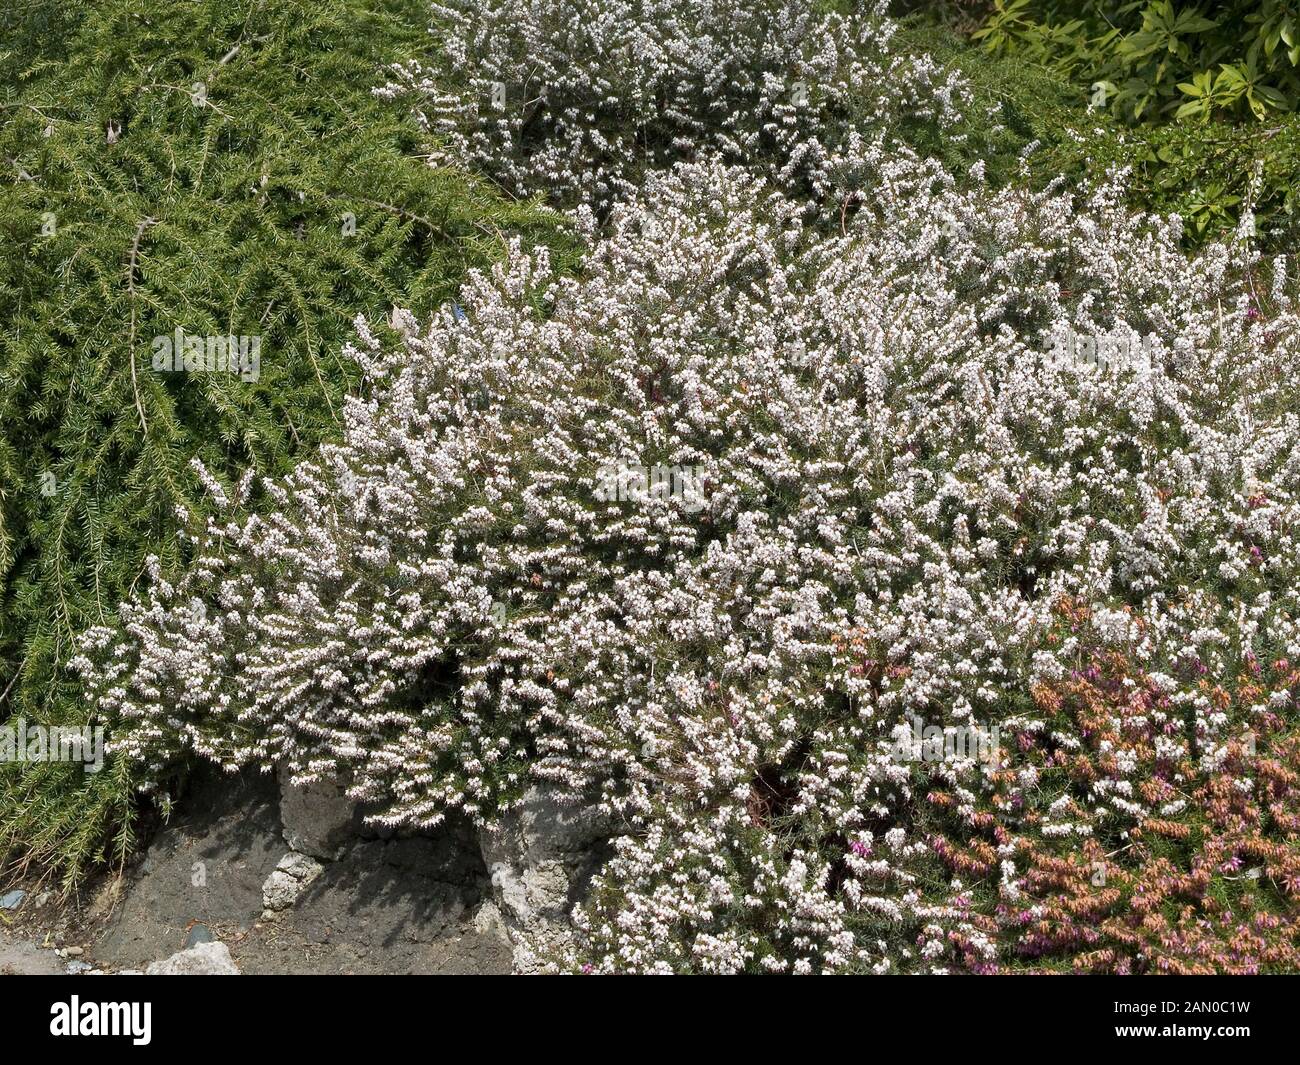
pixel 402 904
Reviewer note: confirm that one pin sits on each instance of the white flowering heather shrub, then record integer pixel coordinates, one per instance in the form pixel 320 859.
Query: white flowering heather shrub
pixel 576 99
pixel 897 517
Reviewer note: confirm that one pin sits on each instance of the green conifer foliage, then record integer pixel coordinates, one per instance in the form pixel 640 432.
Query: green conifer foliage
pixel 218 168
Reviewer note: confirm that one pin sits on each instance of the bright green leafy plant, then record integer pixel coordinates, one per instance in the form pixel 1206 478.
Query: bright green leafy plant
pixel 1153 59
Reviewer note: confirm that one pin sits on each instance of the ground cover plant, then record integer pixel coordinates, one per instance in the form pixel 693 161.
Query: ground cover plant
pixel 881 498
pixel 899 551
pixel 580 100
pixel 221 170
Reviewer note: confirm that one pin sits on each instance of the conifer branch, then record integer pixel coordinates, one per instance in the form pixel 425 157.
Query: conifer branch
pixel 130 288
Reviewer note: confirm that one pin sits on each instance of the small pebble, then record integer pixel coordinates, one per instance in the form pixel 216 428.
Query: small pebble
pixel 199 934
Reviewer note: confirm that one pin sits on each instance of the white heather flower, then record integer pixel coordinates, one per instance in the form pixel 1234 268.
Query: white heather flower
pixel 896 494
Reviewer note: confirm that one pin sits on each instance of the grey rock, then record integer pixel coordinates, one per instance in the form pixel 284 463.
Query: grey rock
pixel 199 934
pixel 205 959
pixel 75 967
pixel 12 900
pixel 489 922
pixel 539 859
pixel 318 818
pixel 288 881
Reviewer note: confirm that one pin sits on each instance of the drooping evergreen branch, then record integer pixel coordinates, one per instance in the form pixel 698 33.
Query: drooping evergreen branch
pixel 218 171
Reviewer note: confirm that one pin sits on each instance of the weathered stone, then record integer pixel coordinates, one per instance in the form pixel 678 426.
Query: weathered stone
pixel 317 818
pixel 199 934
pixel 288 881
pixel 205 959
pixel 489 922
pixel 12 900
pixel 539 859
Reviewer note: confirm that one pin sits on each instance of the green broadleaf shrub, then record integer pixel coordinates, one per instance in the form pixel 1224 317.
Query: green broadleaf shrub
pixel 1154 59
pixel 1202 169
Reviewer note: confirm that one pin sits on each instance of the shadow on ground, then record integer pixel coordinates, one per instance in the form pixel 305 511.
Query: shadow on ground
pixel 397 905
